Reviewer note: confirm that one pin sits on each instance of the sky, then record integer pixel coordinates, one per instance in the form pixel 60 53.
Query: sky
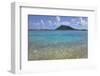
pixel 53 22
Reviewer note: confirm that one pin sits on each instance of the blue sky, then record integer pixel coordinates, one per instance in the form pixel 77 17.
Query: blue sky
pixel 52 22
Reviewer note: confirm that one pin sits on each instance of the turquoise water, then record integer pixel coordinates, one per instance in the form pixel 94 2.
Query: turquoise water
pixel 44 45
pixel 66 38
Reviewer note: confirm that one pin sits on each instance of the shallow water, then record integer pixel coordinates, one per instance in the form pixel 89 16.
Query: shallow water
pixel 44 41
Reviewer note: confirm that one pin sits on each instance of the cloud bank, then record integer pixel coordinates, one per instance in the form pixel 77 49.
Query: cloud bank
pixel 52 22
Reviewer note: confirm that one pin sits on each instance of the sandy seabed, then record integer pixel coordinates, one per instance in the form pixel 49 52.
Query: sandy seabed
pixel 53 53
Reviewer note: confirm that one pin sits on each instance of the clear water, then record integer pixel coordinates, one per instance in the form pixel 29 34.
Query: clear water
pixel 57 44
pixel 55 38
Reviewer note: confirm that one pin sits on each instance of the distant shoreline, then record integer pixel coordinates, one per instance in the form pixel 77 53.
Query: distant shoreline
pixel 55 30
pixel 60 28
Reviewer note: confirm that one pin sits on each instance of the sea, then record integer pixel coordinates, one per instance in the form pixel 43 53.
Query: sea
pixel 45 40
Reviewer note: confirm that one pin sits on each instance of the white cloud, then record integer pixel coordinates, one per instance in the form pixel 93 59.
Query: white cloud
pixel 58 21
pixel 83 22
pixel 58 18
pixel 42 22
pixel 80 23
pixel 50 22
pixel 65 23
pixel 74 21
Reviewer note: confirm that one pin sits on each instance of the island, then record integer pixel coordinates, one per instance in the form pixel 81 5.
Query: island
pixel 61 27
pixel 65 27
